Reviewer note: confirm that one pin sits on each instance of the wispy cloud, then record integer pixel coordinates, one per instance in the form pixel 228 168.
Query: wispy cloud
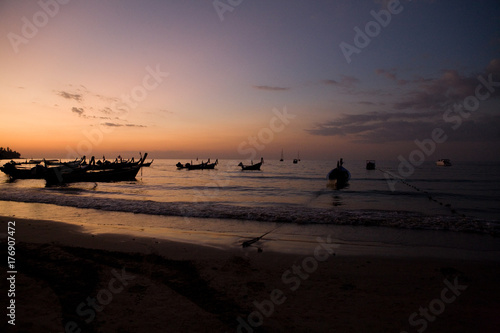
pixel 390 74
pixel 79 111
pixel 346 84
pixel 68 95
pixel 450 88
pixel 107 110
pixel 345 81
pixel 121 125
pixel 271 88
pixel 91 105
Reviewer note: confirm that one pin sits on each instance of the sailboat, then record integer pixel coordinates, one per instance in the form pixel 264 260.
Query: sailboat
pixel 295 160
pixel 281 159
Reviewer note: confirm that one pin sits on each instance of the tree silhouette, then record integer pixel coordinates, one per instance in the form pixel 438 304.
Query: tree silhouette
pixel 7 153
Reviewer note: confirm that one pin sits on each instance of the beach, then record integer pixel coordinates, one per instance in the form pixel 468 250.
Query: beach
pixel 279 166
pixel 72 280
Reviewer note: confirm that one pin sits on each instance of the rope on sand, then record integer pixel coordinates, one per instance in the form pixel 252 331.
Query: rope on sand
pixel 256 239
pixel 429 195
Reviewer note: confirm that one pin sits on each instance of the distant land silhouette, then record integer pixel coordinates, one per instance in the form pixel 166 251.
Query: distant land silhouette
pixel 7 153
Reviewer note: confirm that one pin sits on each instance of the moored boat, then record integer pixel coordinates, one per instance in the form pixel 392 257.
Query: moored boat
pixel 14 171
pixel 201 166
pixel 33 169
pixel 252 166
pixel 63 176
pixel 119 163
pixel 370 165
pixel 68 173
pixel 339 176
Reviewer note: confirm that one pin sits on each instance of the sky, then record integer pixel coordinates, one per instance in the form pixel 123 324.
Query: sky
pixel 373 79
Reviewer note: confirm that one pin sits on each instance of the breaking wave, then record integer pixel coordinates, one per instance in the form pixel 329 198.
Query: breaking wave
pixel 285 213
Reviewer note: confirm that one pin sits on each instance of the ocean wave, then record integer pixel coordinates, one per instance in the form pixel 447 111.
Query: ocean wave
pixel 284 213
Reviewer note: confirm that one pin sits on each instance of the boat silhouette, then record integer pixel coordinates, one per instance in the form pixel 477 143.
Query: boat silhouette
pixel 339 176
pixel 252 166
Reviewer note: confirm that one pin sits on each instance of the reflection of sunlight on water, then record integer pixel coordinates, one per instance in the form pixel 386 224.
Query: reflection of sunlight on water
pixel 292 238
pixel 22 183
pixel 283 184
pixel 337 201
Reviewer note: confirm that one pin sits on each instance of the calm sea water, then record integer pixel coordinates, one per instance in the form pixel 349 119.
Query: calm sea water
pixel 462 197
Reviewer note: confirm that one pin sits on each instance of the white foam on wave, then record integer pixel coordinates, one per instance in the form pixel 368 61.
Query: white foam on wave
pixel 281 214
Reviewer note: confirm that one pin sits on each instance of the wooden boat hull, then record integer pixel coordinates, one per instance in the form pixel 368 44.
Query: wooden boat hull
pixel 339 176
pixel 13 172
pixel 251 167
pixel 58 176
pixel 255 166
pixel 202 166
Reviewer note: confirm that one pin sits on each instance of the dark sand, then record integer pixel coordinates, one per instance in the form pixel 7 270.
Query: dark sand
pixel 153 285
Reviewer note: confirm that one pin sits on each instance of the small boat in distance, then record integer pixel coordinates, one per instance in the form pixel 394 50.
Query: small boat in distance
pixel 370 165
pixel 201 166
pixel 443 162
pixel 295 160
pixel 252 166
pixel 339 176
pixel 281 159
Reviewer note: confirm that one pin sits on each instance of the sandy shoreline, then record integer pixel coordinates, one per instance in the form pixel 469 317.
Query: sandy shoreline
pixel 69 280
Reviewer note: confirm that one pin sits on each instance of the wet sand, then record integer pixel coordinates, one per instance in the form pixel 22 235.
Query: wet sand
pixel 70 280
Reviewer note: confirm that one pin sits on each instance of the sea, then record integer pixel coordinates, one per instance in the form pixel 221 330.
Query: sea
pixel 282 195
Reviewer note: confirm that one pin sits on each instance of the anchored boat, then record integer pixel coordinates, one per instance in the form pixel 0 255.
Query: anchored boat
pixel 252 166
pixel 201 166
pixel 370 165
pixel 339 176
pixel 91 172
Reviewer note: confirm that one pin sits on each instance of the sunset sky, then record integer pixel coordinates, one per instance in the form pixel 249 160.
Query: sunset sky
pixel 182 79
